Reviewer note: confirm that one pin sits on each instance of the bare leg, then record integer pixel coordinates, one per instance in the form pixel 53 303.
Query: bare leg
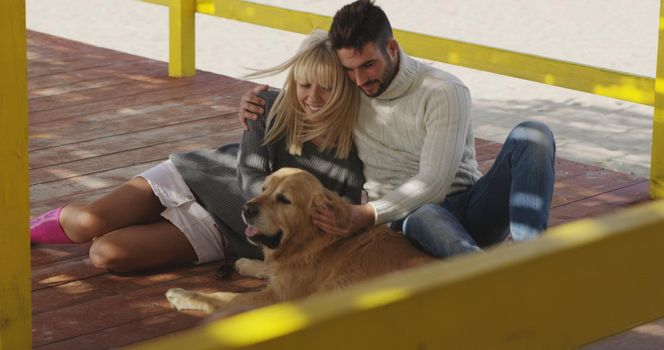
pixel 133 203
pixel 129 232
pixel 142 247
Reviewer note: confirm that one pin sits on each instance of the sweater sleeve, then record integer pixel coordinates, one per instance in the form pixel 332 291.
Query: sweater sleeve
pixel 253 163
pixel 447 122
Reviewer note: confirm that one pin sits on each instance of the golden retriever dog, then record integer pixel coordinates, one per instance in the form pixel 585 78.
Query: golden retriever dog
pixel 300 260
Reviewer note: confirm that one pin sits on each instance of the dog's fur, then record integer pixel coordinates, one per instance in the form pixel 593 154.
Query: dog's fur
pixel 299 259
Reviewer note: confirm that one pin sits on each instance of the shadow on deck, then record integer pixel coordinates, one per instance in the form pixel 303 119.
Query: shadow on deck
pixel 98 117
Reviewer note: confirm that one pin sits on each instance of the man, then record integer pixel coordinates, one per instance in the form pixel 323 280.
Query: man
pixel 415 139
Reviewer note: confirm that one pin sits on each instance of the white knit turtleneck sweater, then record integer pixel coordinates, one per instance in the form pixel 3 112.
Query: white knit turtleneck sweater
pixel 416 140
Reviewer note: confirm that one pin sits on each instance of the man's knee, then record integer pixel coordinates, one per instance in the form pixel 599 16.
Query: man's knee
pixel 534 136
pixel 422 215
pixel 537 130
pixel 422 219
pixel 438 232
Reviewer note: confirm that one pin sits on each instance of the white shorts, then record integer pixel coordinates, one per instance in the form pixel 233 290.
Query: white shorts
pixel 184 212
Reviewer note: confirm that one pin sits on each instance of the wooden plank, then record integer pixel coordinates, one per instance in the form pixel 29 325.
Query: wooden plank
pixel 62 272
pixel 131 141
pixel 590 184
pixel 85 184
pixel 15 299
pixel 40 207
pixel 90 96
pixel 107 162
pixel 147 73
pixel 567 169
pixel 102 125
pixel 601 204
pixel 119 309
pixel 129 333
pixel 91 289
pixel 130 70
pixel 487 150
pixel 60 55
pixel 43 65
pixel 46 254
pixel 199 84
pixel 51 45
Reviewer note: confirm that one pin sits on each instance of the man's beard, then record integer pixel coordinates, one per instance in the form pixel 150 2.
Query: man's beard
pixel 391 70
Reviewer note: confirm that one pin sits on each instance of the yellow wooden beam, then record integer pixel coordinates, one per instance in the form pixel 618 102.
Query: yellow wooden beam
pixel 657 160
pixel 158 2
pixel 579 77
pixel 15 302
pixel 598 81
pixel 182 37
pixel 264 15
pixel 579 282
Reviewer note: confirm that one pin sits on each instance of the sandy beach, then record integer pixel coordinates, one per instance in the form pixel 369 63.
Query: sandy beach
pixel 614 34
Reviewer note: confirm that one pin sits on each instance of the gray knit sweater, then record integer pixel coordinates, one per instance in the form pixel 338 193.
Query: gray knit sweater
pixel 416 140
pixel 222 179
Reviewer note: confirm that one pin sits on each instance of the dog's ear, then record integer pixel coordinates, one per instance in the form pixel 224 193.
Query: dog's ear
pixel 331 201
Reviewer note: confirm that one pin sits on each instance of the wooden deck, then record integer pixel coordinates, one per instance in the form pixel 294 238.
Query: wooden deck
pixel 98 117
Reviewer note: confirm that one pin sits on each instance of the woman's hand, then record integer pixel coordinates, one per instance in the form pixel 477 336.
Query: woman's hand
pixel 362 216
pixel 251 106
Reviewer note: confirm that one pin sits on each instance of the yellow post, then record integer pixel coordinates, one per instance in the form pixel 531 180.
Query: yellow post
pixel 182 32
pixel 657 160
pixel 15 322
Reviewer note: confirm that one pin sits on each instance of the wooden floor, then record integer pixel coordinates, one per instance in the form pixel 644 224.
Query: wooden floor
pixel 98 117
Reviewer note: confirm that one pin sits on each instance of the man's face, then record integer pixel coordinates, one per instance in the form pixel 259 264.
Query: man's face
pixel 370 68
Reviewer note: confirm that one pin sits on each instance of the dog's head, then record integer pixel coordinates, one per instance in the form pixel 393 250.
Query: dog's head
pixel 280 217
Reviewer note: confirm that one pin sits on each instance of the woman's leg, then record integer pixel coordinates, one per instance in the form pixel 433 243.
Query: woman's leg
pixel 132 203
pixel 142 247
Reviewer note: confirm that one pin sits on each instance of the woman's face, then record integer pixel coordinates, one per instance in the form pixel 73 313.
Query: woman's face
pixel 312 96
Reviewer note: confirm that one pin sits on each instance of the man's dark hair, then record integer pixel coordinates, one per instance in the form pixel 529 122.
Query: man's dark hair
pixel 359 23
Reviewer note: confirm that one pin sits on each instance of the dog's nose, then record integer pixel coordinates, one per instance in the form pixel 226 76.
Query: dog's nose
pixel 250 210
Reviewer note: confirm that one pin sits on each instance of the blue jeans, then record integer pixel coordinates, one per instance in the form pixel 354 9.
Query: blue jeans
pixel 513 197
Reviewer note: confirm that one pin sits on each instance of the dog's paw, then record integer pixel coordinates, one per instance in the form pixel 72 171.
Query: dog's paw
pixel 252 268
pixel 181 299
pixel 245 266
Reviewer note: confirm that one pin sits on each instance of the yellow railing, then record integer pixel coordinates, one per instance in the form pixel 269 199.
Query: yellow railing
pixel 15 321
pixel 578 283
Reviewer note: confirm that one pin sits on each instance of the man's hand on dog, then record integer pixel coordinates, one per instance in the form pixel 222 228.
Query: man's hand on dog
pixel 362 216
pixel 251 106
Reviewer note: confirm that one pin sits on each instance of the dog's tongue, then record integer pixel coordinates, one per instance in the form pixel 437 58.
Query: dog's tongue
pixel 251 231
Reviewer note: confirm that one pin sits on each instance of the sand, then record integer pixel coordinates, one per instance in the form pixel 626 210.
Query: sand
pixel 614 34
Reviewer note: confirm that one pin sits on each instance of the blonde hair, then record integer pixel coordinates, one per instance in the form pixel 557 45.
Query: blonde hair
pixel 315 62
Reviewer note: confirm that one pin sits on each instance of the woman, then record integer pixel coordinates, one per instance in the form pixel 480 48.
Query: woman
pixel 188 207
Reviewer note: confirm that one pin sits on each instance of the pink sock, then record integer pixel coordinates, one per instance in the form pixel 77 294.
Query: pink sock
pixel 46 228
